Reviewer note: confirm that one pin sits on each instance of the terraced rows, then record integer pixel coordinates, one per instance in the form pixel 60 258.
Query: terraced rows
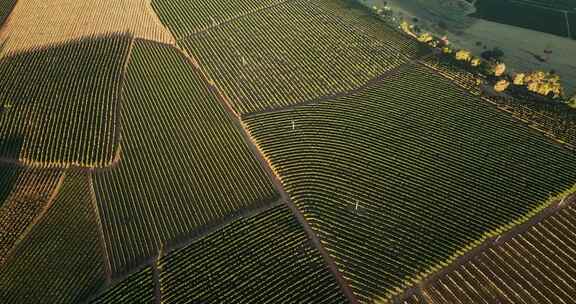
pixel 264 259
pixel 185 18
pixel 30 196
pixel 537 266
pixel 137 288
pixel 60 261
pixel 398 177
pixel 297 51
pixel 184 163
pixel 58 106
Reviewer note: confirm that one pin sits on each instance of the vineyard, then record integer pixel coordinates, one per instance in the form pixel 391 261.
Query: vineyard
pixel 296 51
pixel 60 261
pixel 43 24
pixel 399 177
pixel 185 18
pixel 59 106
pixel 31 195
pixel 184 163
pixel 270 259
pixel 552 117
pixel 5 9
pixel 137 288
pixel 536 266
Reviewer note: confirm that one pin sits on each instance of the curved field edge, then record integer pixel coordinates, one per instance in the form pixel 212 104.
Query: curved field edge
pixel 185 164
pixel 534 207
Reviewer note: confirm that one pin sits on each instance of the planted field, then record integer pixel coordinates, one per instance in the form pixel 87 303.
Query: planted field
pixel 185 18
pixel 184 163
pixel 297 51
pixel 572 22
pixel 536 266
pixel 264 259
pixel 524 15
pixel 5 9
pixel 32 192
pixel 138 288
pixel 397 177
pixel 60 261
pixel 58 106
pixel 39 23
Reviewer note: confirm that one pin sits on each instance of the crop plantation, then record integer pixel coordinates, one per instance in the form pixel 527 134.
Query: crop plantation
pixel 263 252
pixel 272 151
pixel 184 163
pixel 60 105
pixel 59 260
pixel 347 54
pixel 536 266
pixel 416 160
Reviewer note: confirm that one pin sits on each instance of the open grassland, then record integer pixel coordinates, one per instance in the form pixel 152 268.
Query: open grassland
pixel 60 261
pixel 138 288
pixel 29 195
pixel 530 16
pixel 263 259
pixel 38 23
pixel 536 266
pixel 297 51
pixel 185 18
pixel 399 177
pixel 59 105
pixel 184 163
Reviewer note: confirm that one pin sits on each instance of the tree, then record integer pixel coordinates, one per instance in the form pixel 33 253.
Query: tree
pixel 463 55
pixel 572 102
pixel 501 85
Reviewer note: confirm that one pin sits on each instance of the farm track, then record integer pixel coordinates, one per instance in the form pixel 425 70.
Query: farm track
pixel 107 264
pixel 486 245
pixel 284 197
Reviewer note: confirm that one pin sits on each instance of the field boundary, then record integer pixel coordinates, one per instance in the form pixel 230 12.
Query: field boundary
pixel 94 202
pixel 24 235
pixel 491 242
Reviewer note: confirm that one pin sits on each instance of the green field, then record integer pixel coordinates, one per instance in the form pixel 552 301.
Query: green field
pixel 184 163
pixel 29 196
pixel 138 288
pixel 185 18
pixel 58 105
pixel 398 177
pixel 263 259
pixel 524 15
pixel 61 260
pixel 297 51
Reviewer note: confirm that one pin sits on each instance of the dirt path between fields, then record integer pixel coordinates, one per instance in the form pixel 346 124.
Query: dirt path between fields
pixel 284 197
pixel 486 245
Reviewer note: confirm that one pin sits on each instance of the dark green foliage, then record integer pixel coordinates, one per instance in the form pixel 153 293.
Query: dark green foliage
pixel 61 102
pixel 263 259
pixel 432 168
pixel 61 260
pixel 8 177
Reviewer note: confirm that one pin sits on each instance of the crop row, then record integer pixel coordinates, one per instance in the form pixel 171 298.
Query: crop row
pixel 185 18
pixel 184 163
pixel 297 51
pixel 397 178
pixel 263 259
pixel 59 105
pixel 60 260
pixel 40 24
pixel 30 192
pixel 537 266
pixel 138 288
pixel 5 9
